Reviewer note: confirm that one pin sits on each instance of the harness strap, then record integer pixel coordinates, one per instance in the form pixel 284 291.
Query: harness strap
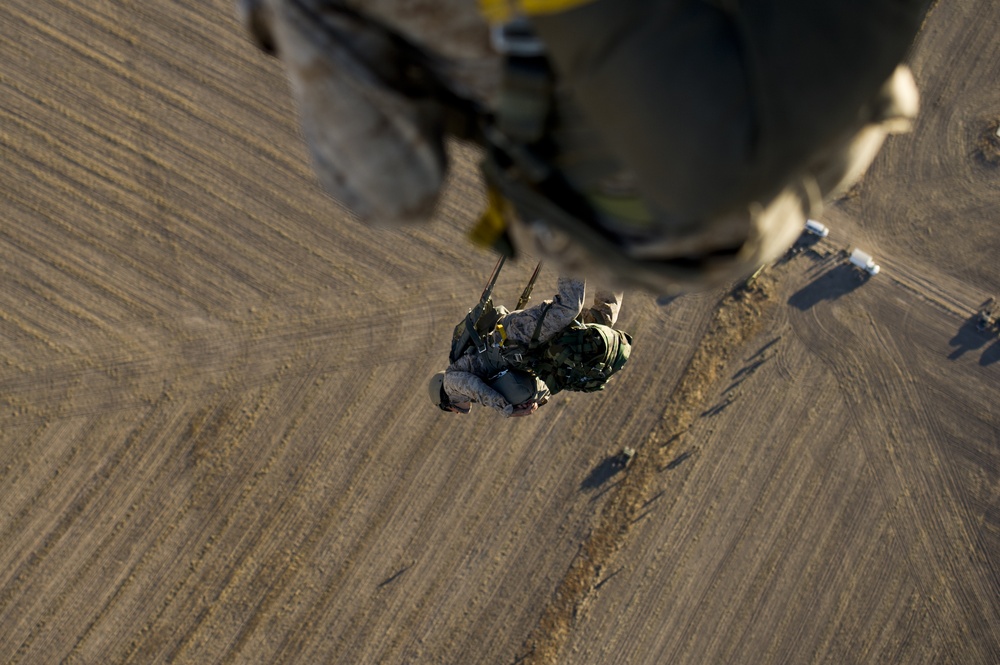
pixel 563 357
pixel 474 335
pixel 538 327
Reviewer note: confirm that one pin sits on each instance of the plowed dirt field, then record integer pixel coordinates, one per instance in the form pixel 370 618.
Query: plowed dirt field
pixel 216 444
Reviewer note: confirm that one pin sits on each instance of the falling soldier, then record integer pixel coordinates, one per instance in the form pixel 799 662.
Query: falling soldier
pixel 513 361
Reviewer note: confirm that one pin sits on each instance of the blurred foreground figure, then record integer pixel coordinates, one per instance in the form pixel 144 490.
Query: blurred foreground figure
pixel 671 145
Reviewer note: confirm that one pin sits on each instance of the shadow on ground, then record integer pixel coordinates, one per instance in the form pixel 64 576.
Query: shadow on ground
pixel 990 355
pixel 603 472
pixel 972 336
pixel 968 338
pixel 838 281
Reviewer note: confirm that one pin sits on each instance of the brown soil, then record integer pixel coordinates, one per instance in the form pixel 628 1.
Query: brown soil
pixel 216 446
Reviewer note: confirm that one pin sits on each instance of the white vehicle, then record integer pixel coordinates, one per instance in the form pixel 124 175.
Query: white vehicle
pixel 817 229
pixel 864 261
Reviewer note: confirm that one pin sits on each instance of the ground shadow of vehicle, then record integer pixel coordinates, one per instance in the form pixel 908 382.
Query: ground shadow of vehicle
pixel 968 338
pixel 990 355
pixel 836 282
pixel 606 470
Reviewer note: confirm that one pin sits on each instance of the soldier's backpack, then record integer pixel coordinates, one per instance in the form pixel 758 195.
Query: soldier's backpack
pixel 581 358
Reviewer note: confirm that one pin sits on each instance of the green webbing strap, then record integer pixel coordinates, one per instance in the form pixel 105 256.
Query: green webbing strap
pixel 561 358
pixel 612 354
pixel 538 327
pixel 470 328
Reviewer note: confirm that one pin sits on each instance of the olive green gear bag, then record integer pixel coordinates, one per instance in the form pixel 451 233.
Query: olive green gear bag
pixel 581 358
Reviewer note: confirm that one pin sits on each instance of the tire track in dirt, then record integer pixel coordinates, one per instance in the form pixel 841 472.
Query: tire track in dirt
pixel 110 515
pixel 119 194
pixel 940 480
pixel 947 294
pixel 316 539
pixel 349 638
pixel 122 72
pixel 243 557
pixel 111 503
pixel 26 570
pixel 277 345
pixel 890 383
pixel 830 538
pixel 881 387
pixel 516 552
pixel 873 605
pixel 734 323
pixel 71 185
pixel 35 484
pixel 759 548
pixel 766 556
pixel 278 594
pixel 358 637
pixel 215 433
pixel 117 543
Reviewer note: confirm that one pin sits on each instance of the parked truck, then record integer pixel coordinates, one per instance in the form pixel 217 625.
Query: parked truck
pixel 864 261
pixel 816 228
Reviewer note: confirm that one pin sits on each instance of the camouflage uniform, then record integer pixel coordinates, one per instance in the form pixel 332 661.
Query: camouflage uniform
pixel 464 379
pixel 376 149
pixel 698 135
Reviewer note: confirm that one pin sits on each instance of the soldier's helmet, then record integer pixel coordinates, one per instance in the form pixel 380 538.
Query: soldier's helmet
pixel 437 393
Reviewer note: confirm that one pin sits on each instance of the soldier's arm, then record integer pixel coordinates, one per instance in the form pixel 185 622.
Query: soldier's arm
pixel 461 385
pixel 555 314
